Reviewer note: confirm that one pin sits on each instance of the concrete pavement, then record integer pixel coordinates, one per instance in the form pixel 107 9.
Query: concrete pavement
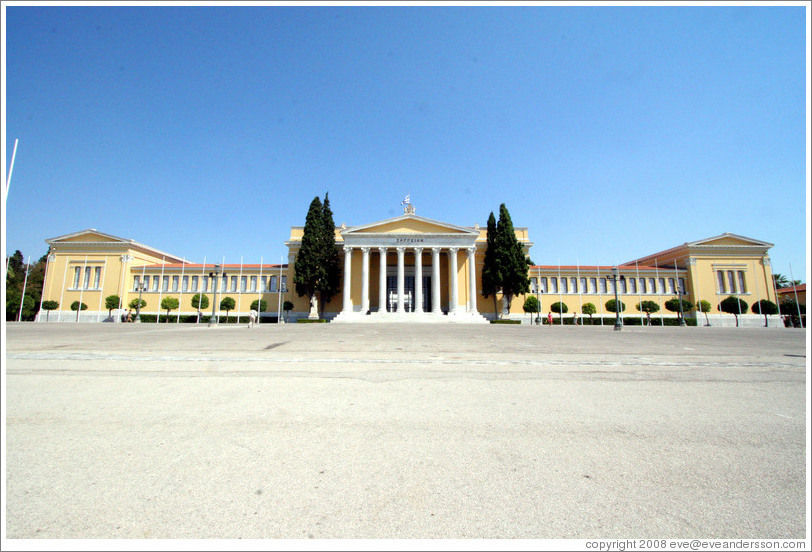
pixel 404 431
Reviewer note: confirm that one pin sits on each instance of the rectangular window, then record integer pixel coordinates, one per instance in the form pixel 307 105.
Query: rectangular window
pixel 97 279
pixel 175 280
pixel 583 285
pixel 263 284
pixel 136 281
pixel 77 275
pixel 622 285
pixel 165 284
pixel 720 281
pixel 273 284
pixel 632 285
pixel 574 285
pixel 553 285
pixel 661 285
pixel 194 283
pixel 224 283
pixel 253 283
pixel 204 283
pixel 642 285
pixel 544 284
pixel 243 283
pixel 146 283
pixel 155 283
pixel 731 280
pixel 603 285
pixel 233 283
pixel 593 285
pixel 564 286
pixel 184 286
pixel 284 283
pixel 87 278
pixel 652 285
pixel 742 287
pixel 671 287
pixel 682 286
pixel 533 283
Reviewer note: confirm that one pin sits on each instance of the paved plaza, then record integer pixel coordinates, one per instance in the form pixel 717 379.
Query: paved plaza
pixel 326 431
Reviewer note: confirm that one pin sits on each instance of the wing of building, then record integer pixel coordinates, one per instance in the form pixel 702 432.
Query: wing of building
pixel 407 268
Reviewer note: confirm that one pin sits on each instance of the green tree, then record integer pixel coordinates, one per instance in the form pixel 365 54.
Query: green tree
pixel 531 305
pixel 589 309
pixel 49 306
pixel 259 305
pixel 791 308
pixel 491 277
pixel 513 263
pixel 169 304
pixel 77 306
pixel 765 307
pixel 612 307
pixel 111 302
pixel 328 286
pixel 673 305
pixel 133 304
pixel 648 306
pixel 734 306
pixel 24 277
pixel 780 280
pixel 559 307
pixel 227 304
pixel 704 306
pixel 199 301
pixel 309 268
pixel 287 306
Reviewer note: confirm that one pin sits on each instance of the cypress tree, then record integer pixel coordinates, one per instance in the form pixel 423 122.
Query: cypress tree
pixel 491 278
pixel 330 260
pixel 513 263
pixel 309 269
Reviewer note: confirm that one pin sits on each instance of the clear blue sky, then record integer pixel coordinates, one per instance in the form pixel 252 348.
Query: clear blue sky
pixel 610 132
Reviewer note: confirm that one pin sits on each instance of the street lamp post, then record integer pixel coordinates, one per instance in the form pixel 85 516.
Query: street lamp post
pixel 141 288
pixel 618 325
pixel 214 276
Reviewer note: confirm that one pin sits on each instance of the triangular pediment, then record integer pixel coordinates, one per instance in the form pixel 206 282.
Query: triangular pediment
pixel 727 240
pixel 409 224
pixel 90 235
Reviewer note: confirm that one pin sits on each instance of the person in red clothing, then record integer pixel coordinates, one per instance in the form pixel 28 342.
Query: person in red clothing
pixel 550 318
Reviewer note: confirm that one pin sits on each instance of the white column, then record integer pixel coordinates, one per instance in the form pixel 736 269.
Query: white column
pixel 452 274
pixel 472 280
pixel 382 281
pixel 435 280
pixel 418 279
pixel 347 278
pixel 401 278
pixel 365 280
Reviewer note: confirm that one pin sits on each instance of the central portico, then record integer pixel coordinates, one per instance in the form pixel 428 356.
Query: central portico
pixel 421 270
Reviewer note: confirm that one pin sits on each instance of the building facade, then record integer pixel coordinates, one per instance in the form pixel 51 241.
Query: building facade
pixel 408 268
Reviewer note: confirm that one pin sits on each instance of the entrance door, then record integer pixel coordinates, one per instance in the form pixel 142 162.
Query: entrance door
pixel 410 297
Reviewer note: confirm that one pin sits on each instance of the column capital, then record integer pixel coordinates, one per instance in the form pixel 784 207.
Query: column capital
pixel 347 249
pixel 418 250
pixel 126 258
pixel 453 249
pixel 436 249
pixel 365 249
pixel 51 256
pixel 382 250
pixel 471 250
pixel 401 249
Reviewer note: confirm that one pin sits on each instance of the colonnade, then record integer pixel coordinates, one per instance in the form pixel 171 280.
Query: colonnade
pixel 453 303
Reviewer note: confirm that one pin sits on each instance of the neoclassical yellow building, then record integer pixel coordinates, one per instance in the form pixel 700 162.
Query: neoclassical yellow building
pixel 403 269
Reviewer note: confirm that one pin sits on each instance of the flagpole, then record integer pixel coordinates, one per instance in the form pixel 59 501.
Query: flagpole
pixel 560 314
pixel 180 295
pixel 259 291
pixel 657 289
pixel 600 296
pixel 11 168
pixel 795 290
pixel 25 283
pixel 161 290
pixel 101 290
pixel 639 291
pixel 82 289
pixel 578 283
pixel 62 292
pixel 44 276
pixel 200 290
pixel 279 293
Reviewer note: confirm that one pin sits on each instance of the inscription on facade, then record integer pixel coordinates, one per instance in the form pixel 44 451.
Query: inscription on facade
pixel 409 240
